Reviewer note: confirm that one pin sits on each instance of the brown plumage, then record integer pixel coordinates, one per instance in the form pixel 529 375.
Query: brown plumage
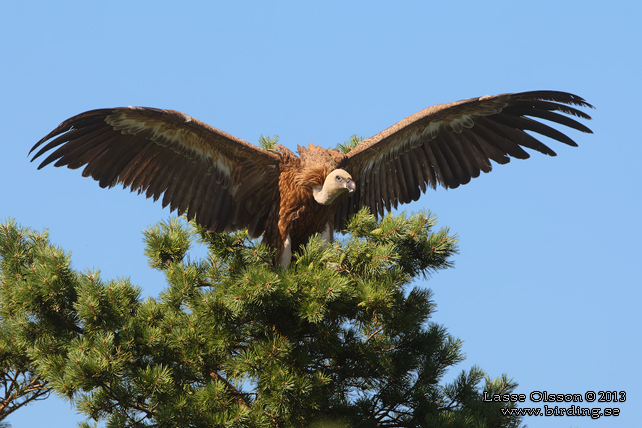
pixel 225 183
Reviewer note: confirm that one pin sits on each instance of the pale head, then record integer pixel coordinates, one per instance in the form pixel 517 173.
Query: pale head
pixel 336 183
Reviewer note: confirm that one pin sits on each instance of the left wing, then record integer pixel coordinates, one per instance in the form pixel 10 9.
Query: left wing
pixel 449 144
pixel 225 183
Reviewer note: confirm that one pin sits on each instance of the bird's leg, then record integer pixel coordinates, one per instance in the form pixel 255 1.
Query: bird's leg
pixel 327 235
pixel 286 257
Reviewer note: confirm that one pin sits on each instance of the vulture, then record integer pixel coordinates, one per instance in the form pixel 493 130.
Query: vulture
pixel 225 183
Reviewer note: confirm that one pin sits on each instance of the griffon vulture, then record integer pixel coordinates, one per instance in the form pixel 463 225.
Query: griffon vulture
pixel 225 183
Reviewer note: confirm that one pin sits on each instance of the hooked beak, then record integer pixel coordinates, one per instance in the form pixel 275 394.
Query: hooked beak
pixel 350 185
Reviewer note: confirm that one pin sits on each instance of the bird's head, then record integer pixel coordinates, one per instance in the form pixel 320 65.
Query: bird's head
pixel 336 183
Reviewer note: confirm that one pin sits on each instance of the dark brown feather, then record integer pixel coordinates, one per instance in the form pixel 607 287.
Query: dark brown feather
pixel 451 144
pixel 166 153
pixel 225 183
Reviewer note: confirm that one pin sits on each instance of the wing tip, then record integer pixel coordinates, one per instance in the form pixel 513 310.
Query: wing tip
pixel 558 96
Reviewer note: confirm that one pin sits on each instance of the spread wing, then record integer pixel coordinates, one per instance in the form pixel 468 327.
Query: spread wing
pixel 222 181
pixel 448 144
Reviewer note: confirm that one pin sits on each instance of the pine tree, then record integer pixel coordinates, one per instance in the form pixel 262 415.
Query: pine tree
pixel 17 377
pixel 339 339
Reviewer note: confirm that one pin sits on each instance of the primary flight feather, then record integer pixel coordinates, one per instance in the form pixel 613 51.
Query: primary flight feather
pixel 226 183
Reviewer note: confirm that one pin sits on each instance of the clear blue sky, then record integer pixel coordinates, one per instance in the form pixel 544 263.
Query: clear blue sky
pixel 547 285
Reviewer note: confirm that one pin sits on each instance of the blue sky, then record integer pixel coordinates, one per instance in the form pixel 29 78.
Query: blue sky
pixel 547 285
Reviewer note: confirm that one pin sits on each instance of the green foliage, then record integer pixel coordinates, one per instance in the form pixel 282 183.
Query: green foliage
pixel 268 143
pixel 339 339
pixel 20 383
pixel 346 146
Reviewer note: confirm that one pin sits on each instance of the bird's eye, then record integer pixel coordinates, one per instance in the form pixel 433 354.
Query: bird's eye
pixel 339 178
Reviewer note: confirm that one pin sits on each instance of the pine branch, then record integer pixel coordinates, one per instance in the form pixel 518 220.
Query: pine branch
pixel 238 397
pixel 231 341
pixel 15 390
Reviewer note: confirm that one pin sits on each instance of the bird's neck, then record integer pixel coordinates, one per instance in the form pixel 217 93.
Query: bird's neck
pixel 323 196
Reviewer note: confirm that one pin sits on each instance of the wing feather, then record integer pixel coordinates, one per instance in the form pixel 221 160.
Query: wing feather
pixel 393 184
pixel 457 163
pixel 451 144
pixel 441 162
pixel 221 213
pixel 418 166
pixel 205 204
pixel 412 187
pixel 544 112
pixel 478 160
pixel 376 192
pixel 74 135
pixel 191 184
pixel 173 192
pixel 368 198
pixel 110 168
pixel 488 131
pixel 223 181
pixel 400 180
pixel 385 191
pixel 431 166
pixel 157 178
pixel 86 148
